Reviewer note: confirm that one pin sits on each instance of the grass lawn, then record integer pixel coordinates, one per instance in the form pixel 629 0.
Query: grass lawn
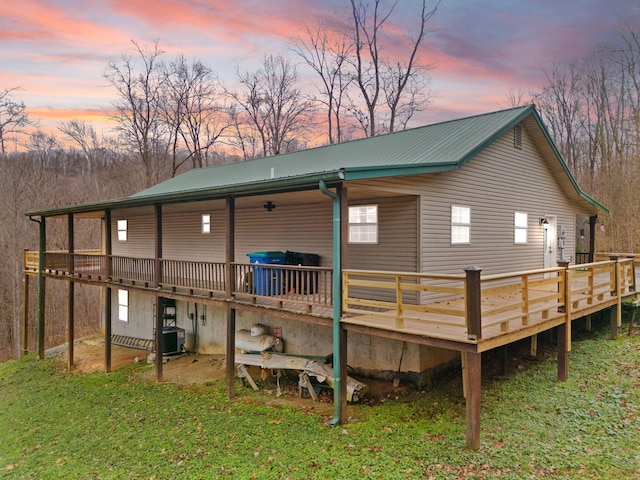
pixel 59 425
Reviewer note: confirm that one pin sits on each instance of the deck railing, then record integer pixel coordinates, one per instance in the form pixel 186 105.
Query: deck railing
pixel 298 287
pixel 197 275
pixel 393 296
pixel 472 306
pixel 288 286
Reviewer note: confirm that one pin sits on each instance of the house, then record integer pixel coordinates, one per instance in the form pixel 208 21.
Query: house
pixel 373 237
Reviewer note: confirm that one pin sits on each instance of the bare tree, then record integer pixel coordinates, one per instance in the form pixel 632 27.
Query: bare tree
pixel 376 75
pixel 327 53
pixel 85 137
pixel 562 103
pixel 13 117
pixel 193 110
pixel 139 116
pixel 592 105
pixel 273 105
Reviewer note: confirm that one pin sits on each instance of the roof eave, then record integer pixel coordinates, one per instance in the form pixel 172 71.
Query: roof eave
pixel 254 188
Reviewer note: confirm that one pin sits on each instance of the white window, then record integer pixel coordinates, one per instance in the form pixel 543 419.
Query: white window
pixel 460 224
pixel 363 224
pixel 123 305
pixel 520 227
pixel 206 223
pixel 122 230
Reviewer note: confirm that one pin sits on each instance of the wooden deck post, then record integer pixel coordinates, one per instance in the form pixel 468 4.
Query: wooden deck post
pixel 632 287
pixel 159 301
pixel 616 311
pixel 473 301
pixel 229 287
pixel 563 352
pixel 567 309
pixel 108 246
pixel 472 378
pixel 70 294
pixel 231 351
pixel 107 330
pixel 343 376
pixel 592 237
pixel 70 323
pixel 25 318
pixel 159 337
pixel 42 249
pixel 613 321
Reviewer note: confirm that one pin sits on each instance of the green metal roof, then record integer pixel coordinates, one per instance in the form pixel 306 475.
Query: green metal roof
pixel 433 148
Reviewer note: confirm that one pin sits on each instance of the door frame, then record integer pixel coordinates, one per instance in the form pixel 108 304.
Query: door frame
pixel 550 242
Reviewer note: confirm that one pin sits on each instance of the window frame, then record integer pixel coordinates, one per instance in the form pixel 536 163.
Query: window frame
pixel 519 227
pixel 459 225
pixel 356 227
pixel 123 305
pixel 205 226
pixel 122 227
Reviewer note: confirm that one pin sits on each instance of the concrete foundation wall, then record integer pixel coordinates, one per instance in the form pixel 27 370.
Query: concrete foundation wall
pixel 205 328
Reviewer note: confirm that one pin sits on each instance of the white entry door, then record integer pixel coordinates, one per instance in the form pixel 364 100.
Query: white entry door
pixel 550 241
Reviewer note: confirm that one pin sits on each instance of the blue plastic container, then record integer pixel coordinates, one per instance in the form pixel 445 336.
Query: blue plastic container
pixel 267 281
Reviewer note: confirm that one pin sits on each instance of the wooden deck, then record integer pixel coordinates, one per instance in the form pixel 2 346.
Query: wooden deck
pixel 467 312
pixel 510 306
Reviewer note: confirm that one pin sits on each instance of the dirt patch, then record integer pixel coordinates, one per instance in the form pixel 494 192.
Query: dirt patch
pixel 89 356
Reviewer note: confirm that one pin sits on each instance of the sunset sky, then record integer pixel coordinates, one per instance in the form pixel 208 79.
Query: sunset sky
pixel 56 51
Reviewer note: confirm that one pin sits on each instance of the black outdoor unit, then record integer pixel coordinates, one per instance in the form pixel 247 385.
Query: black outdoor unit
pixel 302 282
pixel 172 340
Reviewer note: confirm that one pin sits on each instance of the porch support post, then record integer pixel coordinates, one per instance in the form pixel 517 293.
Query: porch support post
pixel 158 281
pixel 341 191
pixel 564 330
pixel 25 318
pixel 231 351
pixel 473 302
pixel 564 264
pixel 107 291
pixel 336 298
pixel 592 237
pixel 616 310
pixel 563 352
pixel 42 248
pixel 70 294
pixel 108 244
pixel 473 384
pixel 158 339
pixel 107 330
pixel 230 282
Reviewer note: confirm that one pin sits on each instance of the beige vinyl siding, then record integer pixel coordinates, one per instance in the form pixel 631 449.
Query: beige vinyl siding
pixel 498 182
pixel 304 228
pixel 140 241
pixel 397 246
pixel 182 237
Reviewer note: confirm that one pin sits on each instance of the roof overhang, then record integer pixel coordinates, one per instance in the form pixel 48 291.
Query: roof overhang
pixel 274 186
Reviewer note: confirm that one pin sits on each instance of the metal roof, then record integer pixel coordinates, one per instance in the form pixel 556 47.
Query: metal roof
pixel 433 148
pixel 437 147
